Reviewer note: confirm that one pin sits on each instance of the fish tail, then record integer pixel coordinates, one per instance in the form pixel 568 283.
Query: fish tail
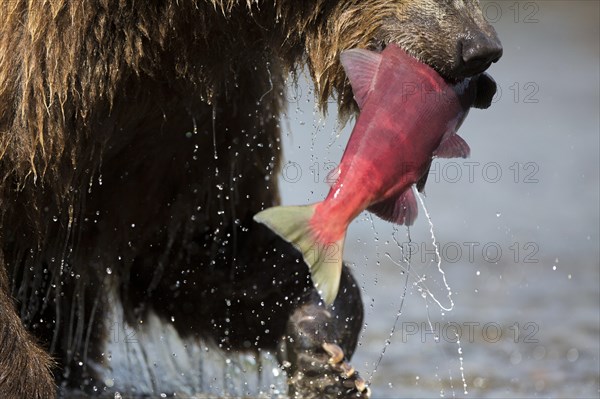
pixel 323 257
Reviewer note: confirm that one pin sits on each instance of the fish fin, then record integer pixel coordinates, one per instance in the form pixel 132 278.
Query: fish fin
pixel 453 146
pixel 333 176
pixel 423 180
pixel 324 261
pixel 400 210
pixel 361 66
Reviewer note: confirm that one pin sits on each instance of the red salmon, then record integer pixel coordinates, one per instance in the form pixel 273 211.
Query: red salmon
pixel 408 115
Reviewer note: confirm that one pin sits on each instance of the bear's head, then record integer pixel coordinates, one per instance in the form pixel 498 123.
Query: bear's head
pixel 452 36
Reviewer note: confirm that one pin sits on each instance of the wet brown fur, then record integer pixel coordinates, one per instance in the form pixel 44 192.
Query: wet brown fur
pixel 71 59
pixel 91 93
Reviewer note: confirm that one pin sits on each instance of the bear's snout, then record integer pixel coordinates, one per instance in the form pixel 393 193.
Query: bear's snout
pixel 477 52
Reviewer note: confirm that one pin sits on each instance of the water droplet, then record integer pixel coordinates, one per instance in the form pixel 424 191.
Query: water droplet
pixel 539 385
pixel 108 270
pixel 516 357
pixel 479 382
pixel 498 214
pixel 539 352
pixel 572 354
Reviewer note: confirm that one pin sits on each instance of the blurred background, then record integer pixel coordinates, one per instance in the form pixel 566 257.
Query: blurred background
pixel 516 226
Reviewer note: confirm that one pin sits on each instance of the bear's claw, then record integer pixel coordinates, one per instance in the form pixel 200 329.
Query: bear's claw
pixel 334 351
pixel 351 379
pixel 326 373
pixel 318 344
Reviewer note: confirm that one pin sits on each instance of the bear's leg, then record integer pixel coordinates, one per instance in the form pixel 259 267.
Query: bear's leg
pixel 318 342
pixel 271 302
pixel 63 307
pixel 219 274
pixel 263 300
pixel 24 366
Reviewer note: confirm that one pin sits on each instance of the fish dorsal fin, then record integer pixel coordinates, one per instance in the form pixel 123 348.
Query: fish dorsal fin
pixel 400 210
pixel 361 66
pixel 453 146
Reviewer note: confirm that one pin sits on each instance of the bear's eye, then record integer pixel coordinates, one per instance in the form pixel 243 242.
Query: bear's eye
pixel 378 46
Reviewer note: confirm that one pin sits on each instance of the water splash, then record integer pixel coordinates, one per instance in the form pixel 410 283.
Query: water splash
pixel 446 309
pixel 152 358
pixel 439 262
pixel 388 341
pixel 426 294
pixel 214 129
pixel 270 84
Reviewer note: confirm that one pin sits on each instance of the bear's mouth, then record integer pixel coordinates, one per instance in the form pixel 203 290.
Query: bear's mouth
pixel 379 46
pixel 486 85
pixel 452 75
pixel 486 91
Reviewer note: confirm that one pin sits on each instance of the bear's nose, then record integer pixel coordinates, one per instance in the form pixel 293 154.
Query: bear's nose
pixel 479 51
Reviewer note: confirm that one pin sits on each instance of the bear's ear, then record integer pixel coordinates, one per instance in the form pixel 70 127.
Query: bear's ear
pixel 360 66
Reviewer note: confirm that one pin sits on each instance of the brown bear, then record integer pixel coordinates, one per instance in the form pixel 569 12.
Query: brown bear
pixel 138 139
